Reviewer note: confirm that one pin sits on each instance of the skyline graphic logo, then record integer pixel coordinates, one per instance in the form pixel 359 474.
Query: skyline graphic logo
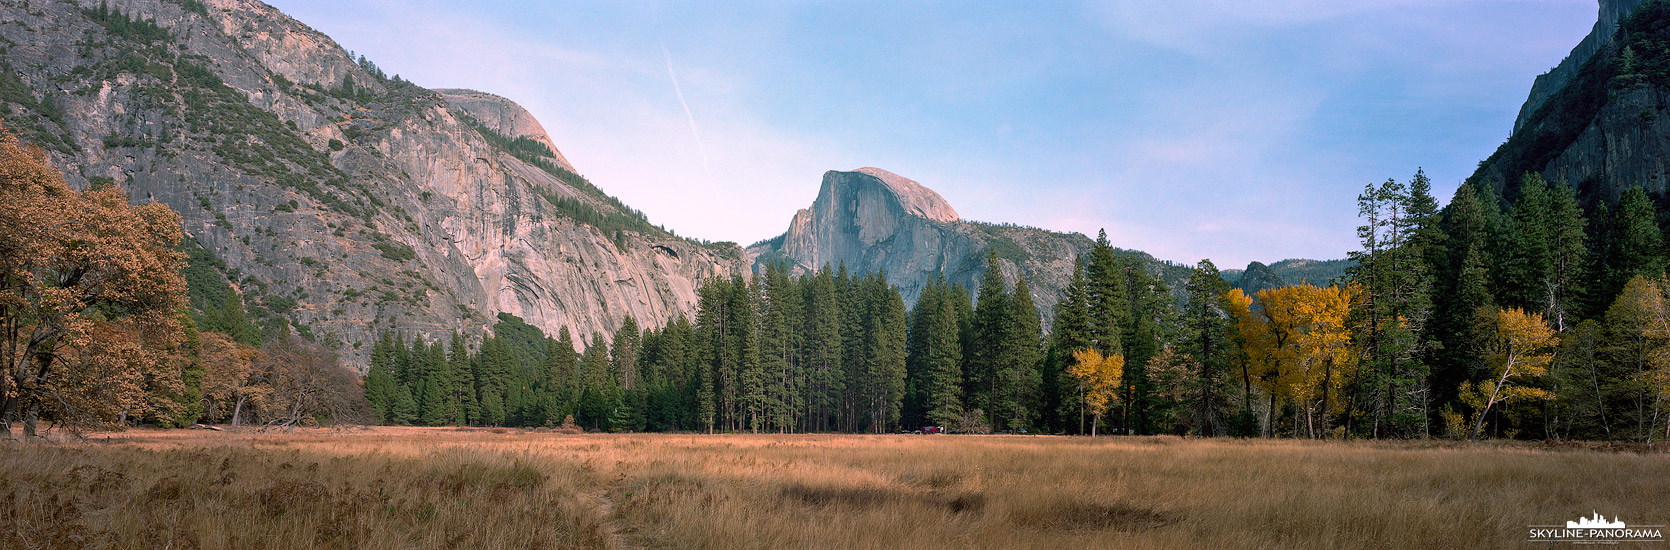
pixel 1597 522
pixel 1596 529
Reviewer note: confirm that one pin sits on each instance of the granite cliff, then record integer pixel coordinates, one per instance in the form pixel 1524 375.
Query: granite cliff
pixel 339 199
pixel 1606 25
pixel 872 220
pixel 1599 120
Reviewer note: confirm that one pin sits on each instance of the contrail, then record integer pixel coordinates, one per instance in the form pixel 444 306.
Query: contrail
pixel 692 118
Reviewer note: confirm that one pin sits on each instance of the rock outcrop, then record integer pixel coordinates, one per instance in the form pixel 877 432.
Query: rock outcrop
pixel 1607 128
pixel 1606 25
pixel 873 220
pixel 341 199
pixel 505 117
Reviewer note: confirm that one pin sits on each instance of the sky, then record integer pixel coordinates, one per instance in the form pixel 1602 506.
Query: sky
pixel 1215 129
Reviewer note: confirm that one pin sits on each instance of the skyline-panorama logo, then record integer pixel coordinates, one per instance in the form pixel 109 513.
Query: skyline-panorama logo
pixel 1596 530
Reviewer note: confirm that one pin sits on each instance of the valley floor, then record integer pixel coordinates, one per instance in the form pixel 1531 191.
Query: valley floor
pixel 482 488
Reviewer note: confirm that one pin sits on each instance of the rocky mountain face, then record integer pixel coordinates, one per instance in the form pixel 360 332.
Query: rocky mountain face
pixel 1599 120
pixel 1258 276
pixel 340 199
pixel 1606 25
pixel 872 220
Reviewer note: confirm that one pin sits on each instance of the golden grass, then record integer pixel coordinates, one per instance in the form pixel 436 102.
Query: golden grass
pixel 466 488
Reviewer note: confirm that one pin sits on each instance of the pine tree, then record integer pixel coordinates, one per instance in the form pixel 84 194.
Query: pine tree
pixel 1153 311
pixel 562 365
pixel 942 364
pixel 751 377
pixel 623 354
pixel 1064 395
pixel 402 408
pixel 1018 376
pixel 433 412
pixel 1637 244
pixel 823 350
pixel 779 349
pixel 884 353
pixel 1567 251
pixel 1106 297
pixel 379 381
pixel 1520 272
pixel 597 393
pixel 1208 344
pixel 463 382
pixel 991 319
pixel 1463 281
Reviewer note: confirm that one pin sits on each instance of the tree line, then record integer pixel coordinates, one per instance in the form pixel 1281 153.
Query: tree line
pixel 1516 313
pixel 1530 319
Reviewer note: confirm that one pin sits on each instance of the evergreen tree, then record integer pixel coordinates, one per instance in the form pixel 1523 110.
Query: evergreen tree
pixel 942 360
pixel 750 394
pixel 624 353
pixel 991 319
pixel 1153 312
pixel 463 382
pixel 1520 271
pixel 1205 320
pixel 1637 244
pixel 1463 279
pixel 597 393
pixel 562 364
pixel 1567 252
pixel 1015 402
pixel 823 350
pixel 402 408
pixel 379 381
pixel 433 412
pixel 1106 297
pixel 884 354
pixel 1064 394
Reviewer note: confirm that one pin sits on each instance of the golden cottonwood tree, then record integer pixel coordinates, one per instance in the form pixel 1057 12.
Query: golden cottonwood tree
pixel 1326 361
pixel 90 295
pixel 1099 377
pixel 1520 347
pixel 1297 345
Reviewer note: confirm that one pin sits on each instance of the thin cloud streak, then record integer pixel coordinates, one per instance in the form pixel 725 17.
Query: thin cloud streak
pixel 707 168
pixel 1150 119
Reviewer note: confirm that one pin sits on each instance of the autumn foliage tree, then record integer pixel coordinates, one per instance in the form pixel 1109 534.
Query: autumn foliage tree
pixel 1520 348
pixel 90 299
pixel 1099 379
pixel 230 381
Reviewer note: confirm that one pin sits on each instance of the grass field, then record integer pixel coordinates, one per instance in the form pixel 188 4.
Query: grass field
pixel 477 488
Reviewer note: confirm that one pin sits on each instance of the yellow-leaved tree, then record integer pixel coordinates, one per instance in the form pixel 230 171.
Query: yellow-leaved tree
pixel 1099 376
pixel 1296 341
pixel 1519 348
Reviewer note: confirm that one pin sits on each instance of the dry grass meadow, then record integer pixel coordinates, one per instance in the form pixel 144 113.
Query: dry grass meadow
pixel 479 488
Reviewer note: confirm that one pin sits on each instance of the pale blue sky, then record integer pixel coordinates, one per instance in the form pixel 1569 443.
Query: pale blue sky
pixel 1233 131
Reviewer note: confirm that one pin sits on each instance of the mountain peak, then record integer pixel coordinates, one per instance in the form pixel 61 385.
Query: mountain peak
pixel 915 198
pixel 503 116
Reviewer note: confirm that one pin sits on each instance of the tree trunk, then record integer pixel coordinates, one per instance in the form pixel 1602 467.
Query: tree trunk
pixel 1494 392
pixel 31 415
pixel 1270 423
pixel 8 417
pixel 1600 400
pixel 1093 423
pixel 237 410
